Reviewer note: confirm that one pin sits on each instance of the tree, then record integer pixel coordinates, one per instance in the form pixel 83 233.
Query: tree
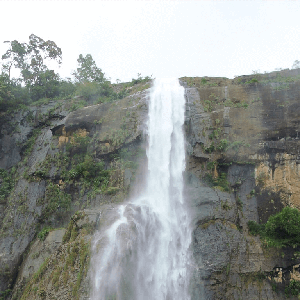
pixel 46 85
pixel 285 225
pixel 6 96
pixel 296 64
pixel 14 56
pixel 30 58
pixel 88 70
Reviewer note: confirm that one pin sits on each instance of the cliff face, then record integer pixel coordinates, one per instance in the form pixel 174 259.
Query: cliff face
pixel 56 161
pixel 66 171
pixel 242 141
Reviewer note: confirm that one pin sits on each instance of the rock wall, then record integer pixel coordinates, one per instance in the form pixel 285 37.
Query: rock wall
pixel 242 165
pixel 243 147
pixel 55 162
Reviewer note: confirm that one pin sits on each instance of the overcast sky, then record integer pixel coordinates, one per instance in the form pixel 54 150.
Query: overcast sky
pixel 163 38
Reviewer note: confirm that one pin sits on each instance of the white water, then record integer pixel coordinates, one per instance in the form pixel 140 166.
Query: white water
pixel 144 253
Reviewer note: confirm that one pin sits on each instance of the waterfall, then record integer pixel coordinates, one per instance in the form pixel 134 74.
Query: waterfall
pixel 143 255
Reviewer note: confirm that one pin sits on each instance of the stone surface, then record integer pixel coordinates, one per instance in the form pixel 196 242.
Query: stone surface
pixel 34 142
pixel 260 163
pixel 246 128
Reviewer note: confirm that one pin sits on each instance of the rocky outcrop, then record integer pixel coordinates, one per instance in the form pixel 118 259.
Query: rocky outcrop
pixel 242 141
pixel 50 154
pixel 242 148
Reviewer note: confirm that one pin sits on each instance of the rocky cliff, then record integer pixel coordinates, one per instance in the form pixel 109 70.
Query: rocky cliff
pixel 243 157
pixel 57 160
pixel 64 170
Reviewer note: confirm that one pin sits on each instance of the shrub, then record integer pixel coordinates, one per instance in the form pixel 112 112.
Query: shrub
pixel 6 185
pixel 43 233
pixel 93 173
pixel 66 88
pixel 57 200
pixel 293 289
pixel 88 90
pixel 223 145
pixel 281 229
pixel 255 228
pixel 284 226
pixel 219 182
pixel 210 149
pixel 5 294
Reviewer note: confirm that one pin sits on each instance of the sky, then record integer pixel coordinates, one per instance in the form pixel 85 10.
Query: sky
pixel 166 38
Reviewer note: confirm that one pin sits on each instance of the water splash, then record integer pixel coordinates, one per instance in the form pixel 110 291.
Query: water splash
pixel 144 254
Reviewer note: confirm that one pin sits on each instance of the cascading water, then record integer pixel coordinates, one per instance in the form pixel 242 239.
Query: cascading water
pixel 144 253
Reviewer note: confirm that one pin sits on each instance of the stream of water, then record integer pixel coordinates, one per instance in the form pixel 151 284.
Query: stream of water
pixel 143 255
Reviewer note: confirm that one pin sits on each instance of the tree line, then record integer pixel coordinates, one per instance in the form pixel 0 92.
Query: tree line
pixel 37 81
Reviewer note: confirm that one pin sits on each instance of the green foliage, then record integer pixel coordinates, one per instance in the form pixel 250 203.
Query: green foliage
pixel 252 80
pixel 239 203
pixel 293 289
pixel 220 182
pixel 90 172
pixel 281 229
pixel 99 92
pixel 255 228
pixel 203 80
pixel 139 79
pixel 36 80
pixel 14 56
pixel 6 96
pixel 77 105
pixel 262 178
pixel 35 279
pixel 88 90
pixel 211 165
pixel 225 205
pixel 215 134
pixel 88 70
pixel 57 200
pixel 230 103
pixel 43 233
pixel 284 226
pixel 41 101
pixel 84 256
pixel 296 64
pixel 66 88
pixel 237 144
pixel 4 295
pixel 117 137
pixel 111 190
pixel 29 57
pixel 7 184
pixel 223 145
pixel 37 276
pixel 29 145
pixel 210 149
pixel 281 80
pixel 46 85
pixel 79 142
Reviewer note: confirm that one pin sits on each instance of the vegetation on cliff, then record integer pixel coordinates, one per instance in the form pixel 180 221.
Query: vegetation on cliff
pixel 50 169
pixel 281 229
pixel 36 81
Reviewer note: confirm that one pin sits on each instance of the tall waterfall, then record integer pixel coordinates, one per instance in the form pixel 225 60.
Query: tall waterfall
pixel 143 255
